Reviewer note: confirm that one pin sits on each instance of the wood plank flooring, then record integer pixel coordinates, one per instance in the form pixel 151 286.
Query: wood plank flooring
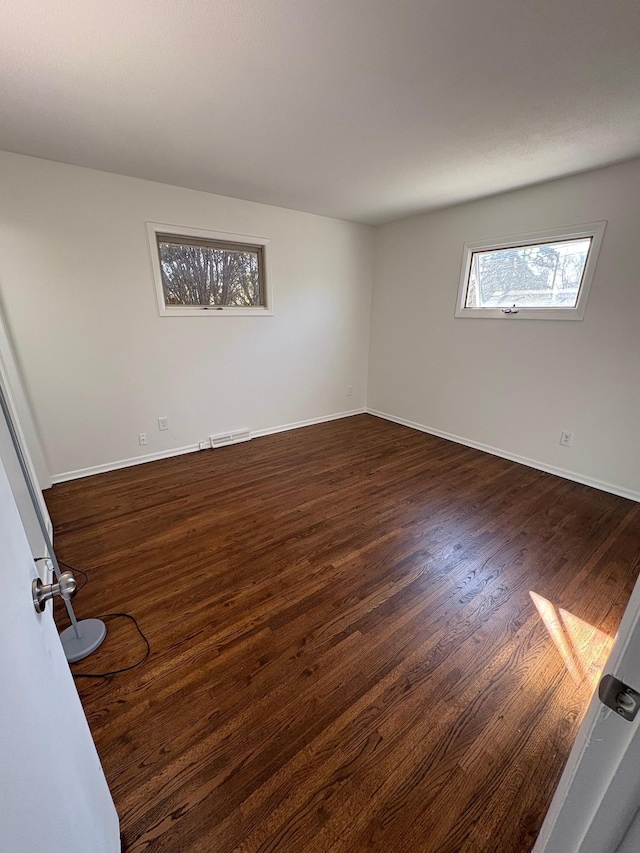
pixel 345 652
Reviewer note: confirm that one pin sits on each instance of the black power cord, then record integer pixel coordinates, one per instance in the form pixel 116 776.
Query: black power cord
pixel 124 668
pixel 106 616
pixel 80 571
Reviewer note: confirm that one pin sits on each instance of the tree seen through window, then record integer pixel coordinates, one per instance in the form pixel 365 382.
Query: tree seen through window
pixel 546 275
pixel 210 275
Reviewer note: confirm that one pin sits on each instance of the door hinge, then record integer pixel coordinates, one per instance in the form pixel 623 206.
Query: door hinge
pixel 618 696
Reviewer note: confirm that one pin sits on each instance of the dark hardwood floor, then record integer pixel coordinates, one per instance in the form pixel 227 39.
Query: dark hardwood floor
pixel 345 652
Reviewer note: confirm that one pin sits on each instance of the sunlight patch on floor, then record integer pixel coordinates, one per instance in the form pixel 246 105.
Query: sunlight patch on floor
pixel 583 648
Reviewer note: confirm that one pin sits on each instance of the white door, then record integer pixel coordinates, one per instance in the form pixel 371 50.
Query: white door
pixel 599 791
pixel 53 794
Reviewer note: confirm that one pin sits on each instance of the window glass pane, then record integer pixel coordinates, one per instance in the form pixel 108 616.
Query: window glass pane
pixel 543 276
pixel 208 275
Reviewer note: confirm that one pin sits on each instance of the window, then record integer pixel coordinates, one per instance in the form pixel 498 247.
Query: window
pixel 546 275
pixel 209 273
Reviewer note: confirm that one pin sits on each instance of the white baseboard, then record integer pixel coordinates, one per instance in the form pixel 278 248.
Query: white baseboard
pixel 477 445
pixel 122 463
pixel 310 422
pixel 621 491
pixel 191 448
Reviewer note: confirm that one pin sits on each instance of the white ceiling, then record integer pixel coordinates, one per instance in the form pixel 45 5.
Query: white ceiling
pixel 361 109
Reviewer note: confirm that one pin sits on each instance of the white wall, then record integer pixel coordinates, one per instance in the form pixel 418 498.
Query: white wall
pixel 515 385
pixel 99 364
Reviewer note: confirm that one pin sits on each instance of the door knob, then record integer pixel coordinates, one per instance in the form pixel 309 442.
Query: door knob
pixel 42 592
pixel 618 696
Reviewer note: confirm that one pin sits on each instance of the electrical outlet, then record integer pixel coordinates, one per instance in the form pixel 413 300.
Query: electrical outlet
pixel 142 439
pixel 566 438
pixel 349 390
pixel 205 445
pixel 163 423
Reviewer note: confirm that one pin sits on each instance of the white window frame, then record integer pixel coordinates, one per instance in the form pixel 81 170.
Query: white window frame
pixel 595 230
pixel 266 310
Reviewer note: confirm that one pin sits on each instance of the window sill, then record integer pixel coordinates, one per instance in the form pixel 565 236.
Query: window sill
pixel 521 314
pixel 179 311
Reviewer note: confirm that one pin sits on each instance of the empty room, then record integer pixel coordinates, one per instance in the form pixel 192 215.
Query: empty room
pixel 320 394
